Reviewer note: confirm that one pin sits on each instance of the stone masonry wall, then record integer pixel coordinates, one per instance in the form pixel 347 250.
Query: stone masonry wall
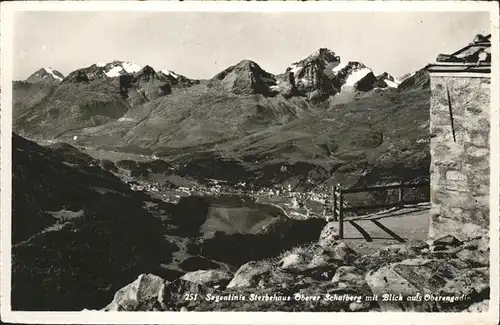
pixel 460 170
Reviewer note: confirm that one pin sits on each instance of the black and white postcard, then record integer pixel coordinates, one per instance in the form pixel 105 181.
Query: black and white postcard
pixel 235 162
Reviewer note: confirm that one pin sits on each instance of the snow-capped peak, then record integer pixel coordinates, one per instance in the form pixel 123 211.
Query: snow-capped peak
pixel 53 73
pixel 356 76
pixel 131 67
pixel 169 73
pixel 118 68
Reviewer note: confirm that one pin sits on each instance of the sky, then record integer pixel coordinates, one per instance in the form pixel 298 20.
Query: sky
pixel 199 45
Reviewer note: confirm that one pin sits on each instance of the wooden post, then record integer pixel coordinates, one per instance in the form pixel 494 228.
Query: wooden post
pixel 335 203
pixel 341 215
pixel 400 198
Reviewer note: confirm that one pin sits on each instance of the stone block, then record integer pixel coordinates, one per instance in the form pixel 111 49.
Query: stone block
pixel 461 229
pixel 478 152
pixel 463 200
pixel 477 124
pixel 477 139
pixel 454 175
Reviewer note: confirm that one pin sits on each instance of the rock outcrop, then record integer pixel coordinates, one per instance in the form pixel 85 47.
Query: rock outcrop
pixel 323 74
pixel 209 278
pixel 250 274
pixel 412 278
pixel 145 293
pixel 245 78
pixel 409 277
pixel 415 81
pixel 330 234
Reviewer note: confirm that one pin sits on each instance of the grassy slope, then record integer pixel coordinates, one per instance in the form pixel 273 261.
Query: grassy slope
pixel 75 238
pixel 25 95
pixel 72 106
pixel 372 139
pixel 190 118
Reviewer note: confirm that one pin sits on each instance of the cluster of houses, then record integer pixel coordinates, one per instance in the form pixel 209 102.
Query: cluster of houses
pixel 284 194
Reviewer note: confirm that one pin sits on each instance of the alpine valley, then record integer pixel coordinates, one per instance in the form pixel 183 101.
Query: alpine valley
pixel 124 172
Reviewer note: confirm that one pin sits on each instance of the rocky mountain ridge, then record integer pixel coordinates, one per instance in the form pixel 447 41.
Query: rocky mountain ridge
pixel 320 74
pixel 446 275
pixel 45 75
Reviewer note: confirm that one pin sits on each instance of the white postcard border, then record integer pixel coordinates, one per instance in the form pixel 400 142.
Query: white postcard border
pixel 90 317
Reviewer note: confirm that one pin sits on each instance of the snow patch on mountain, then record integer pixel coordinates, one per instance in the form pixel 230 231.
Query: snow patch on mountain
pixel 357 76
pixel 170 73
pixel 53 73
pixel 295 69
pixel 45 75
pixel 131 67
pixel 391 84
pixel 114 72
pixel 339 67
pixel 120 68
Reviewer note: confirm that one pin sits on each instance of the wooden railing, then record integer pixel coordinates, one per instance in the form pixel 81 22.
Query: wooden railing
pixel 340 205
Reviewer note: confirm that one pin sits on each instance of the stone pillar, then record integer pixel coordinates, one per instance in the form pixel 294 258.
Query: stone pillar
pixel 460 167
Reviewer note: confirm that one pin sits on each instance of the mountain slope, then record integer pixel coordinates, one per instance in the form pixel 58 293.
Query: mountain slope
pixel 245 78
pixel 323 118
pixel 380 137
pixel 45 75
pixel 26 95
pixel 196 116
pixel 88 97
pixel 31 91
pixel 80 221
pixel 80 233
pixel 416 81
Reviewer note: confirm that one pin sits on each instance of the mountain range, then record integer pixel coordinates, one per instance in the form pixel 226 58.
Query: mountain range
pixel 312 119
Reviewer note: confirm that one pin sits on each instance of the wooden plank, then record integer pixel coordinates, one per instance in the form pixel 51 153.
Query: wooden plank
pixel 417 201
pixel 373 206
pixel 387 230
pixel 385 205
pixel 387 187
pixel 341 216
pixel 363 232
pixel 400 194
pixel 335 215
